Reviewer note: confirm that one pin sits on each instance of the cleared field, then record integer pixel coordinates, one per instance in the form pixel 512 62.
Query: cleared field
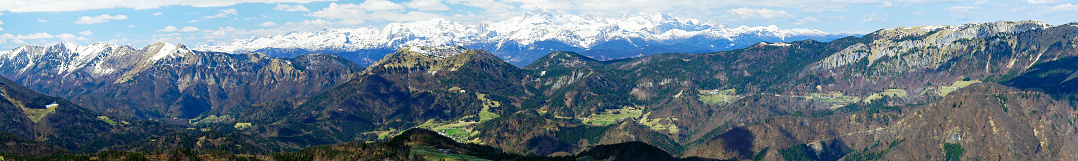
pixel 944 90
pixel 106 120
pixel 485 113
pixel 660 124
pixel 837 99
pixel 611 116
pixel 432 154
pixel 888 92
pixel 718 96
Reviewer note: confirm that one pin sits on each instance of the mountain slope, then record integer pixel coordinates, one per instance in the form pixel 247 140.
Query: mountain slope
pixel 59 122
pixel 520 40
pixel 410 87
pixel 982 121
pixel 169 82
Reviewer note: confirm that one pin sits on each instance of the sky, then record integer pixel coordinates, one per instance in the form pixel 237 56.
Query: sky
pixel 192 22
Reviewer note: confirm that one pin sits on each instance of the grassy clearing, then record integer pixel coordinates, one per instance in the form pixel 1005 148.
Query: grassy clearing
pixel 242 125
pixel 209 119
pixel 106 120
pixel 837 99
pixel 459 130
pixel 384 134
pixel 611 116
pixel 430 153
pixel 36 114
pixel 485 114
pixel 660 124
pixel 888 92
pixel 455 89
pixel 944 90
pixel 717 96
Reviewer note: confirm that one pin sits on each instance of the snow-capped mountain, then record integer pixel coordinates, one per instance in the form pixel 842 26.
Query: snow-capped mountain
pixel 168 81
pixel 66 58
pixel 523 39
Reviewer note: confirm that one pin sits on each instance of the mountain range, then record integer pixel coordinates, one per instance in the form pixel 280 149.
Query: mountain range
pixel 168 82
pixel 522 39
pixel 998 90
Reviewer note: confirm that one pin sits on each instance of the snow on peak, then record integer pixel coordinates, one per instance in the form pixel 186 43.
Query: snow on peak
pixel 583 31
pixel 161 50
pixel 783 44
pixel 438 51
pixel 98 59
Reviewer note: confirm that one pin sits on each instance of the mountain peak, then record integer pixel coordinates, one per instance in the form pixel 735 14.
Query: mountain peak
pixel 430 59
pixel 161 50
pixel 436 51
pixel 563 60
pixel 65 45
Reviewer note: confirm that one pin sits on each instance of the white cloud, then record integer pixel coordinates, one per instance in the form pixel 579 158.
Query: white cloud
pixel 169 29
pixel 291 8
pixel 193 21
pixel 174 29
pixel 962 8
pixel 268 23
pixel 86 33
pixel 189 29
pixel 223 13
pixel 99 19
pixel 759 13
pixel 157 13
pixel 70 37
pixel 427 5
pixel 228 33
pixel 1066 7
pixel 806 20
pixel 356 14
pixel 494 5
pixel 347 12
pixel 78 5
pixel 316 22
pixel 1 29
pixel 380 5
pixel 875 17
pixel 1 22
pixel 20 39
pixel 1040 1
pixel 130 26
pixel 397 16
pixel 920 12
pixel 886 4
pixel 42 20
pixel 40 35
pixel 66 37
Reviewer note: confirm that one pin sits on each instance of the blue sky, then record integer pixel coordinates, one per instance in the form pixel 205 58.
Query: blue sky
pixel 141 22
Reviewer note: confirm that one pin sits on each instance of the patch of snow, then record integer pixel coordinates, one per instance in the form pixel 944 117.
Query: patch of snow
pixel 53 105
pixel 780 44
pixel 417 50
pixel 933 27
pixel 164 50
